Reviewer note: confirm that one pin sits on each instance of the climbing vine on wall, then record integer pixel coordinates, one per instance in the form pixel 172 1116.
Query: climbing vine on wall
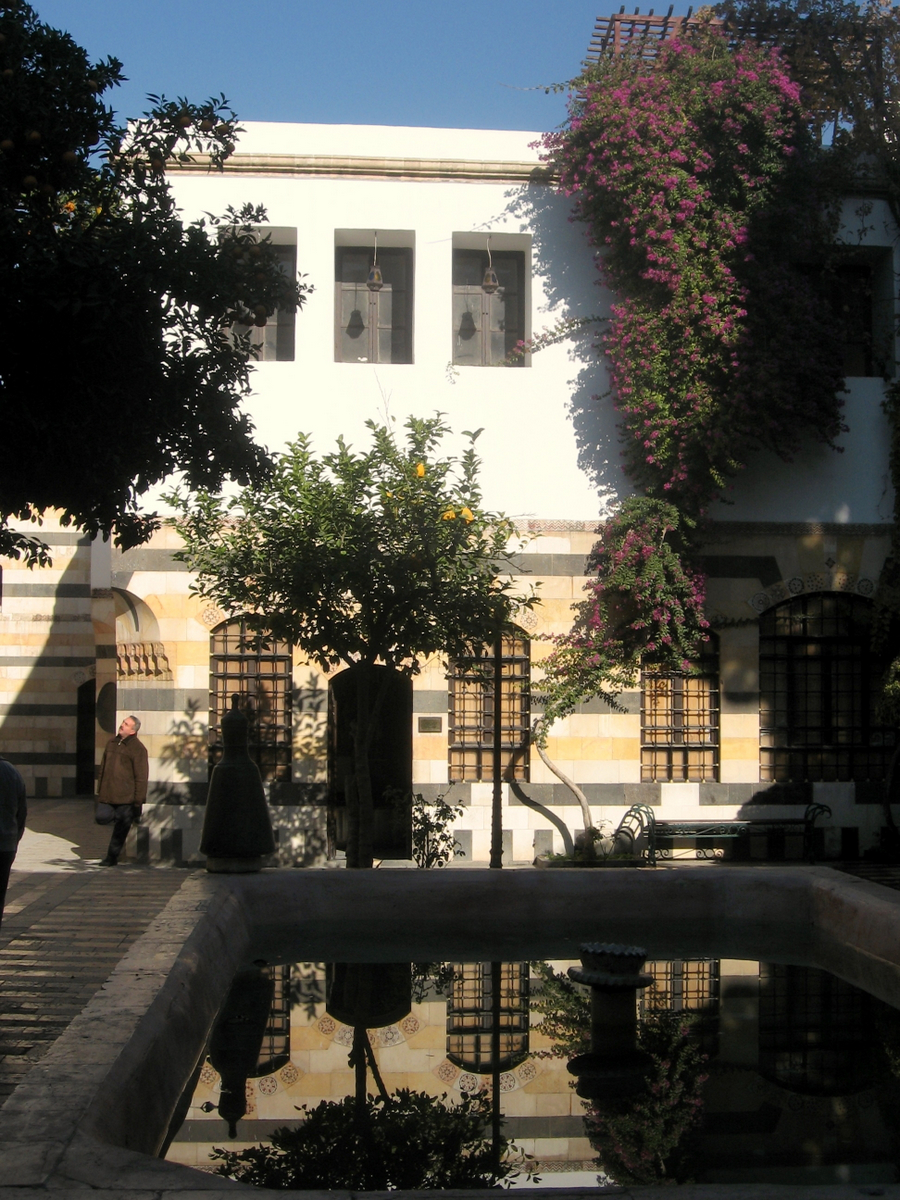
pixel 643 599
pixel 697 180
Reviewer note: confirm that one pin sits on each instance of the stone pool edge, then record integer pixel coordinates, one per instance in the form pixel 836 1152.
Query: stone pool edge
pixel 91 1114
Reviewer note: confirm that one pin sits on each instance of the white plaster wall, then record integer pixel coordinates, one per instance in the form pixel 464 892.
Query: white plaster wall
pixel 821 484
pixel 538 459
pixel 549 449
pixel 851 484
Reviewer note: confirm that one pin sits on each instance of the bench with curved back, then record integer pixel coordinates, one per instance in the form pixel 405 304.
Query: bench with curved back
pixel 641 819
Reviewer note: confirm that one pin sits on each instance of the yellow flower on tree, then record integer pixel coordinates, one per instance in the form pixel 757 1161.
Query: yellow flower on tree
pixel 420 469
pixel 449 515
pixel 467 513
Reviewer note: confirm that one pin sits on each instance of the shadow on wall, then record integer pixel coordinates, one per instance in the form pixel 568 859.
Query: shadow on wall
pixel 562 256
pixel 309 765
pixel 47 727
pixel 185 755
pixel 297 808
pixel 171 834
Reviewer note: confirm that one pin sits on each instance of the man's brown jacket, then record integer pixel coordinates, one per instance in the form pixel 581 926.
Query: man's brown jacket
pixel 123 772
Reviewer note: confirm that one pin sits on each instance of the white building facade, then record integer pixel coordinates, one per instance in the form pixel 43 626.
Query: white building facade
pixel 793 563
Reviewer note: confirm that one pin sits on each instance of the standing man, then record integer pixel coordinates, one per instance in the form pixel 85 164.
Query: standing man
pixel 123 786
pixel 13 810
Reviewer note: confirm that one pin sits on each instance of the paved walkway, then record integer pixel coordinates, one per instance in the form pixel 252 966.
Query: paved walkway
pixel 67 923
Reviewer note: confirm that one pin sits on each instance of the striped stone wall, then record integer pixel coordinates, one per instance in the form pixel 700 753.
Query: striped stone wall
pixel 47 651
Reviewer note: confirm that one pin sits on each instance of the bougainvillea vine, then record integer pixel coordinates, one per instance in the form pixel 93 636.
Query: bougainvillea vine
pixel 693 177
pixel 643 599
pixel 696 177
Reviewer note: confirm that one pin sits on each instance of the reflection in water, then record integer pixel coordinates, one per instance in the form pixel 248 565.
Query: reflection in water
pixel 487 1018
pixel 237 1038
pixel 407 1140
pixel 755 1072
pixel 814 1032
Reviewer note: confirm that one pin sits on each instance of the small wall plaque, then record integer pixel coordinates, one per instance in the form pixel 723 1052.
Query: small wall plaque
pixel 431 724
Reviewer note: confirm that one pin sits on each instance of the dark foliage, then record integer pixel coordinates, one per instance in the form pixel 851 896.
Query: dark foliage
pixel 118 366
pixel 409 1140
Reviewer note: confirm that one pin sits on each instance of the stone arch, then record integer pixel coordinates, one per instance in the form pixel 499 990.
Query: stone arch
pixel 816 581
pixel 140 651
pixel 819 689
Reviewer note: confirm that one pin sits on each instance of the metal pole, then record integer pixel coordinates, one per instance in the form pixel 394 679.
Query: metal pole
pixel 496 976
pixel 497 799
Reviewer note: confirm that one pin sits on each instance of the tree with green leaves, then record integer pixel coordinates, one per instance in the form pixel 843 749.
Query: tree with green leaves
pixel 119 365
pixel 368 558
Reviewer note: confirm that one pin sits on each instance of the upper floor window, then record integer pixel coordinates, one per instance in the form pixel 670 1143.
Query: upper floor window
pixel 487 325
pixel 862 298
pixel 680 722
pixel 471 716
pixel 818 685
pixel 373 325
pixel 275 339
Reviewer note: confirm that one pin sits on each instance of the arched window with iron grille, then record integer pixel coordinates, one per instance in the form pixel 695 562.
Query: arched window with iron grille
pixel 680 721
pixel 686 985
pixel 261 676
pixel 471 721
pixel 275 1051
pixel 818 684
pixel 816 1032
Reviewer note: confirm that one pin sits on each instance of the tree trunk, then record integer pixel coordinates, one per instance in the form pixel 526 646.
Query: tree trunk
pixel 351 795
pixel 890 784
pixel 358 1059
pixel 589 827
pixel 372 687
pixel 362 737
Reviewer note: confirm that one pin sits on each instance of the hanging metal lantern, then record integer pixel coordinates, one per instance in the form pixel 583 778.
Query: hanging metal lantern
pixel 374 279
pixel 490 282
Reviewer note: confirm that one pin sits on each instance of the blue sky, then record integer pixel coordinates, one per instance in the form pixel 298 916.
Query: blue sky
pixel 467 64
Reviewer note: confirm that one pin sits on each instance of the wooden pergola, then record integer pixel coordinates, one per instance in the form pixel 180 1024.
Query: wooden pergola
pixel 645 32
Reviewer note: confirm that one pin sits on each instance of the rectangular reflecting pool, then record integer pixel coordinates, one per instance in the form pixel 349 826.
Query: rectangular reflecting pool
pixel 731 1006
pixel 743 1071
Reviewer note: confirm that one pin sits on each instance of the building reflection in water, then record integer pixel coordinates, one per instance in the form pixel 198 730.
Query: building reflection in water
pixel 796 1087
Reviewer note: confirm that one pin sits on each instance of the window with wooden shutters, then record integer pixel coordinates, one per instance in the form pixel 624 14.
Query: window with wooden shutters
pixel 861 294
pixel 261 677
pixel 373 326
pixel 487 326
pixel 275 339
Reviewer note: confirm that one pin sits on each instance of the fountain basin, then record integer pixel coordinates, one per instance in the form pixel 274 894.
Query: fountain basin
pixel 97 1109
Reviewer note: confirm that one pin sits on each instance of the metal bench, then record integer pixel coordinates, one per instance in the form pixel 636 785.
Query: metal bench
pixel 640 818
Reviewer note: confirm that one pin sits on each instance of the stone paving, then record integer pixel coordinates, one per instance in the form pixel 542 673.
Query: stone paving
pixel 886 874
pixel 66 925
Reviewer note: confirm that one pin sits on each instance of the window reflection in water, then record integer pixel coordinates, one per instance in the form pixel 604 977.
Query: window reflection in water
pixel 799 1077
